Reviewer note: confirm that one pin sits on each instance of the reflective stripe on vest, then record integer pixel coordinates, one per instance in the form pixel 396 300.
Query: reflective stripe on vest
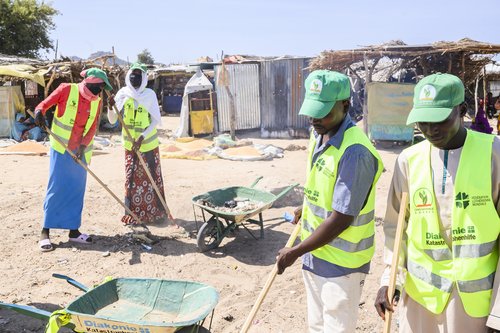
pixel 342 244
pixel 136 121
pixel 462 251
pixel 323 214
pixel 471 261
pixel 354 247
pixel 62 127
pixel 446 285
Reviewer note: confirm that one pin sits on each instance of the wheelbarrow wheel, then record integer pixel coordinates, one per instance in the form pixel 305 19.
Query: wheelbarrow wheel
pixel 208 236
pixel 193 329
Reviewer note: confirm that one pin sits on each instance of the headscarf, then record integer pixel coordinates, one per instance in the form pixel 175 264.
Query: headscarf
pixel 142 95
pixel 82 88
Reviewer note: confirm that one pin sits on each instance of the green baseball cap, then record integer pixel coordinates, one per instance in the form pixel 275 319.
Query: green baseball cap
pixel 435 97
pixel 99 73
pixel 323 89
pixel 138 65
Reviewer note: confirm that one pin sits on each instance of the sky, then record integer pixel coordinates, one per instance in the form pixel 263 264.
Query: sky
pixel 182 31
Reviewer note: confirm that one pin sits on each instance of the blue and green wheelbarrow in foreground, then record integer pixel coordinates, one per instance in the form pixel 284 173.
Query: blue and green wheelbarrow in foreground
pixel 221 223
pixel 132 305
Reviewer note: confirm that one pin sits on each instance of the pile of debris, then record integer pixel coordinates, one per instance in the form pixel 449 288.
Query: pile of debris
pixel 235 206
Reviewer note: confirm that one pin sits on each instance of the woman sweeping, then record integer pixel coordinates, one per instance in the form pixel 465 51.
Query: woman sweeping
pixel 74 123
pixel 141 115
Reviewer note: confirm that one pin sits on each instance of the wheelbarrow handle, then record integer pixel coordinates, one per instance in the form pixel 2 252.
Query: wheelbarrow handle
pixel 256 181
pixel 27 310
pixel 71 281
pixel 285 191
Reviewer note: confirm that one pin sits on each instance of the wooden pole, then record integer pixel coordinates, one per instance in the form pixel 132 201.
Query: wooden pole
pixel 476 97
pixel 269 282
pixel 143 163
pixel 232 114
pixel 55 137
pixel 368 79
pixel 52 77
pixel 395 259
pixel 484 91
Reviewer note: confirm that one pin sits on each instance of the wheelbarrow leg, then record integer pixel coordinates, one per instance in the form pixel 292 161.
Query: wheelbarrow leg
pixel 261 223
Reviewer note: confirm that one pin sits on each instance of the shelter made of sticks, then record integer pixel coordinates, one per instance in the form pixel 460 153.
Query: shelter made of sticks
pixel 397 62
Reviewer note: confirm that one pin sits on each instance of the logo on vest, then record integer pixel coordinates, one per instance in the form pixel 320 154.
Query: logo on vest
pixel 433 239
pixel 323 168
pixel 462 200
pixel 422 200
pixel 312 195
pixel 463 234
pixel 73 103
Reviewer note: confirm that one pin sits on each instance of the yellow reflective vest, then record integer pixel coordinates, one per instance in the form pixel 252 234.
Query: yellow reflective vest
pixel 136 121
pixel 354 247
pixel 470 264
pixel 63 126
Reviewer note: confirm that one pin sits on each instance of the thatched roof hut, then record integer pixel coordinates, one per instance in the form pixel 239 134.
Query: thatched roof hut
pixel 465 58
pixel 396 61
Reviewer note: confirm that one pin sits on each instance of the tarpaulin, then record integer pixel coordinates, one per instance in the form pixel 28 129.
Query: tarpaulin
pixel 25 72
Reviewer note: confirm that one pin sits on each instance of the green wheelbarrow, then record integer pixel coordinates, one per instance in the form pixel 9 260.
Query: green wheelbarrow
pixel 134 305
pixel 220 223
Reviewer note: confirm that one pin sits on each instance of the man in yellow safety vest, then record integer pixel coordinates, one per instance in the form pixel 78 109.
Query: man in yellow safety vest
pixel 450 250
pixel 338 211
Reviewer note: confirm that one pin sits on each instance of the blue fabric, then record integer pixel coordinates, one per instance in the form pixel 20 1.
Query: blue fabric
pixel 326 269
pixel 19 128
pixel 64 200
pixel 356 170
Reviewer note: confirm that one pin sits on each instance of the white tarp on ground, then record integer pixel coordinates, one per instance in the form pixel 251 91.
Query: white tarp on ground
pixel 11 101
pixel 197 82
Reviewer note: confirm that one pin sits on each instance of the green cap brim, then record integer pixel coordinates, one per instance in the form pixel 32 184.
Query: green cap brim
pixel 428 115
pixel 142 67
pixel 315 109
pixel 106 81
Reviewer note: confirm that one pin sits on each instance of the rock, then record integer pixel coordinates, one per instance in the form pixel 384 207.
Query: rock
pixel 228 317
pixel 106 254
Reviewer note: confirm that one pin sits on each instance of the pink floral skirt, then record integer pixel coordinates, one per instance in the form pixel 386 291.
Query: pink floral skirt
pixel 140 195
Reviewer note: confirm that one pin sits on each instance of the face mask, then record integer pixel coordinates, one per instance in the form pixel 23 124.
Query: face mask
pixel 136 80
pixel 94 89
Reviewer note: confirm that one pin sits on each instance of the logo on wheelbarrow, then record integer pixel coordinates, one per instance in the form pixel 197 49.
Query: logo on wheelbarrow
pixel 96 326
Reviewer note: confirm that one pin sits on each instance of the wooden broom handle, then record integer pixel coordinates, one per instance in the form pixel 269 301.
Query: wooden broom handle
pixel 269 282
pixel 395 259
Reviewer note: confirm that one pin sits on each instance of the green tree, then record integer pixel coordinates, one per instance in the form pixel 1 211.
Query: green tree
pixel 25 27
pixel 145 57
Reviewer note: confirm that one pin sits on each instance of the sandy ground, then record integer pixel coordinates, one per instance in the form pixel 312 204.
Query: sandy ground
pixel 237 269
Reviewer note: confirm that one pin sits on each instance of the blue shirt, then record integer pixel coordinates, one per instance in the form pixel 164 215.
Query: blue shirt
pixel 356 171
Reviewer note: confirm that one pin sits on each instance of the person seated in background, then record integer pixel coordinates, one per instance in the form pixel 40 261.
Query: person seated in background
pixel 481 123
pixel 25 129
pixel 497 108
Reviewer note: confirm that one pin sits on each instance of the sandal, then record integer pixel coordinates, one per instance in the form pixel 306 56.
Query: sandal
pixel 45 245
pixel 82 239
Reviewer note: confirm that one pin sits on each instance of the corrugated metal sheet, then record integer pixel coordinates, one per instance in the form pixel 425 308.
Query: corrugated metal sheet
pixel 282 94
pixel 244 85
